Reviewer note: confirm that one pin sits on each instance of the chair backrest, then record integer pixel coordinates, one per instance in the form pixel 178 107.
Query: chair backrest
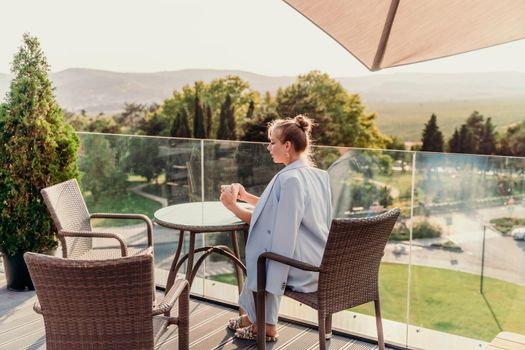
pixel 99 304
pixel 69 212
pixel 350 265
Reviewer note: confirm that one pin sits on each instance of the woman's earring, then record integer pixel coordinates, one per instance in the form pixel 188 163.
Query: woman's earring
pixel 287 155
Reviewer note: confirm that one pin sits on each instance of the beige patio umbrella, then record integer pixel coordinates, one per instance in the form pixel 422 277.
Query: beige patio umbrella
pixel 388 33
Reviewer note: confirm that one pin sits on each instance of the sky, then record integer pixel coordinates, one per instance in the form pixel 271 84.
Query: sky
pixel 261 36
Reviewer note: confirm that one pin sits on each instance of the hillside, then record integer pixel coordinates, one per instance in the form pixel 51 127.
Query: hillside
pixel 407 119
pixel 403 102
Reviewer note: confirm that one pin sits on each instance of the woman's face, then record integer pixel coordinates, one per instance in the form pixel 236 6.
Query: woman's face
pixel 277 149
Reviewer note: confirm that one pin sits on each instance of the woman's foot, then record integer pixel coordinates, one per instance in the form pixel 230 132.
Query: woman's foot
pixel 250 333
pixel 239 322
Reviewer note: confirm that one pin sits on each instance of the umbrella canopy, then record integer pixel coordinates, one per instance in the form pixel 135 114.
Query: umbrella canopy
pixel 388 33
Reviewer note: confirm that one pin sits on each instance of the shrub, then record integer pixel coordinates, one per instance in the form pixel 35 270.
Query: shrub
pixel 505 225
pixel 425 229
pixel 421 229
pixel 37 149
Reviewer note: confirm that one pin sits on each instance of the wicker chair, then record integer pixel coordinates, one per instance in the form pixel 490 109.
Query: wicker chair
pixel 348 275
pixel 104 304
pixel 73 223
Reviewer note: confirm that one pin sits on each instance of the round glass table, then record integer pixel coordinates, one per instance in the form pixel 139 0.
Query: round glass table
pixel 199 217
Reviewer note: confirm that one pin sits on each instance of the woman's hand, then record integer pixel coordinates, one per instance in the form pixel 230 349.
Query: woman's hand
pixel 241 192
pixel 229 196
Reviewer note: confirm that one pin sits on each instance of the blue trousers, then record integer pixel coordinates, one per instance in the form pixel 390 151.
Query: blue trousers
pixel 247 303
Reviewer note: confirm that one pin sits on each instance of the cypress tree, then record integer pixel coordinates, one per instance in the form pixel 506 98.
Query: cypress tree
pixel 226 121
pixel 432 137
pixel 474 124
pixel 181 126
pixel 198 120
pixel 454 144
pixel 251 108
pixel 466 140
pixel 209 116
pixel 37 149
pixel 487 141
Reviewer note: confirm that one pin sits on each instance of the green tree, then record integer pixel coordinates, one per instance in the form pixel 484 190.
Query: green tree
pixel 99 165
pixel 198 120
pixel 340 116
pixel 513 142
pixel 78 122
pixel 154 125
pixel 251 109
pixel 257 129
pixel 226 121
pixel 144 157
pixel 180 126
pixel 302 98
pixel 396 144
pixel 385 199
pixel 454 144
pixel 103 124
pixel 240 94
pixel 487 141
pixel 209 121
pixel 37 149
pixel 358 129
pixel 130 118
pixel 154 122
pixel 212 95
pixel 475 136
pixel 432 137
pixel 475 126
pixel 467 141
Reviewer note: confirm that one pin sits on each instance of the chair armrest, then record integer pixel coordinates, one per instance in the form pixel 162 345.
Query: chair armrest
pixel 119 238
pixel 261 267
pixel 287 261
pixel 149 224
pixel 37 308
pixel 169 299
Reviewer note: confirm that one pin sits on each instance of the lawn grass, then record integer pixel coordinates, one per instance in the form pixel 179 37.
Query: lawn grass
pixel 128 202
pixel 228 278
pixel 399 180
pixel 445 300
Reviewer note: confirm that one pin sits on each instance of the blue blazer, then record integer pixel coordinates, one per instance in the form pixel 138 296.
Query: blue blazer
pixel 291 218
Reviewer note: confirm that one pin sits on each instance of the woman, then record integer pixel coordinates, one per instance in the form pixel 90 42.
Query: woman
pixel 292 218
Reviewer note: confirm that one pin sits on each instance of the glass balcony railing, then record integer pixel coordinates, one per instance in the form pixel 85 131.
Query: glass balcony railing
pixel 453 273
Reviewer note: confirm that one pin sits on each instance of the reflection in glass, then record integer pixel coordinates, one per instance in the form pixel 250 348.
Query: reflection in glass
pixel 453 271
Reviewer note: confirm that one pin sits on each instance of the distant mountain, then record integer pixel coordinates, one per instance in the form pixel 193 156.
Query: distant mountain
pixel 392 96
pixel 421 87
pixel 105 91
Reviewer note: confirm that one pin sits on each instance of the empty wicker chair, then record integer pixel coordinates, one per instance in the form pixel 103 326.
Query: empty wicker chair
pixel 104 304
pixel 73 223
pixel 348 275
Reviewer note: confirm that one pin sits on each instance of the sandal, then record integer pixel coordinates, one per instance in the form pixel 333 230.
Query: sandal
pixel 235 323
pixel 247 333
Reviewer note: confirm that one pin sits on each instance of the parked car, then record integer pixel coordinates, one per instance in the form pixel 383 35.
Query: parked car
pixel 518 233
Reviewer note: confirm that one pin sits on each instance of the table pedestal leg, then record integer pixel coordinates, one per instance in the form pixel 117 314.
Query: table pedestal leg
pixel 191 253
pixel 173 272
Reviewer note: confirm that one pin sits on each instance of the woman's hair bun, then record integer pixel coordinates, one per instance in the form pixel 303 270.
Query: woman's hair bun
pixel 304 122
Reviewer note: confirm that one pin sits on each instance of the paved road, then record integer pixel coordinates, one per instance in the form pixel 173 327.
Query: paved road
pixel 504 256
